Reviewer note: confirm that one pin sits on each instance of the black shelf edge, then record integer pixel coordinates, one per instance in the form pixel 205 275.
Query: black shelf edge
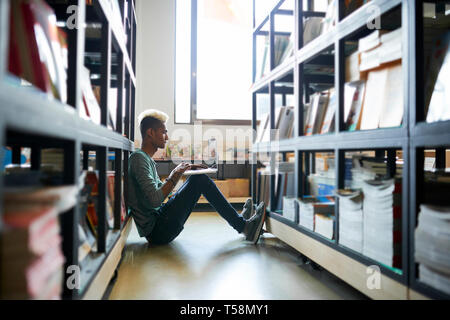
pixel 349 24
pixel 348 252
pixel 35 114
pixel 431 134
pixel 428 291
pixel 93 262
pixel 363 140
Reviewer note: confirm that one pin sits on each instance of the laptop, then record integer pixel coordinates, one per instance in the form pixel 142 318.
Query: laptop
pixel 213 168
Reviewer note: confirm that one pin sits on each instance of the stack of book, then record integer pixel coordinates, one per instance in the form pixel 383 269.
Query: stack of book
pixel 308 209
pixel 432 246
pixel 381 55
pixel 351 219
pixel 324 225
pixel 382 221
pixel 37 51
pixel 32 262
pixel 284 126
pixel 316 114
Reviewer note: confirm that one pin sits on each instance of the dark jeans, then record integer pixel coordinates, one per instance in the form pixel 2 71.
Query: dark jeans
pixel 176 211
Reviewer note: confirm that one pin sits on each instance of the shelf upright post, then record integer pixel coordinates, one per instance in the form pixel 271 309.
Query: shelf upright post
pixel 120 96
pixel 339 76
pixel 416 197
pixel 102 152
pixel 105 70
pixel 415 53
pixel 69 220
pixel 35 157
pixel 340 183
pixel 76 38
pixel 102 228
pixel 406 186
pixel 118 189
pixel 86 159
pixel 299 24
pixel 254 163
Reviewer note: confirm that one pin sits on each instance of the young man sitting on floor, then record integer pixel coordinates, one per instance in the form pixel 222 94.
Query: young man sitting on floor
pixel 159 222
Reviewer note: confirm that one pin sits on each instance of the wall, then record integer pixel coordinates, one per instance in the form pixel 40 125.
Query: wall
pixel 155 70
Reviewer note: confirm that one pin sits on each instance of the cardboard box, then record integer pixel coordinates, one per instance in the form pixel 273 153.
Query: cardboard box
pixel 239 187
pixel 224 187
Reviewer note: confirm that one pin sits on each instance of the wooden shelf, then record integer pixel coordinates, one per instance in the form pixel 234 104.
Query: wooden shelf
pixel 101 279
pixel 339 264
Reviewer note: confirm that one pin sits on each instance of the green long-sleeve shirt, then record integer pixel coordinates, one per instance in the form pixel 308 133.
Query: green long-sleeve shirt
pixel 145 195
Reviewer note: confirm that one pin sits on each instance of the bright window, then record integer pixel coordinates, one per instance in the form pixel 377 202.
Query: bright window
pixel 221 68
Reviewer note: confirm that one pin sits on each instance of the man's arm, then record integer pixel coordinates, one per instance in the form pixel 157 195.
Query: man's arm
pixel 173 178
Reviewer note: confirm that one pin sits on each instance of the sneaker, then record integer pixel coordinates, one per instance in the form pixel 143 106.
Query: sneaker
pixel 248 209
pixel 255 224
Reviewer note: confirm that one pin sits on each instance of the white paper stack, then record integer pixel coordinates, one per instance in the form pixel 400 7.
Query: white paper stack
pixel 432 246
pixel 306 213
pixel 381 222
pixel 309 206
pixel 351 219
pixel 290 209
pixel 324 225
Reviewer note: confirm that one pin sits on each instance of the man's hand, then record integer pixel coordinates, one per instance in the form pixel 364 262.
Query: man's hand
pixel 176 173
pixel 198 166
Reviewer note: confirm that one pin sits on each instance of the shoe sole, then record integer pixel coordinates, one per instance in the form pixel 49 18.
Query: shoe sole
pixel 258 230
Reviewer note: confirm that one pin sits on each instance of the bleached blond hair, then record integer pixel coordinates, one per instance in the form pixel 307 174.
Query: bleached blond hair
pixel 153 113
pixel 151 118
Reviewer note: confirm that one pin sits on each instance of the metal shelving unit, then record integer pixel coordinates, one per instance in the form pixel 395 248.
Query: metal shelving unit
pixel 29 119
pixel 410 137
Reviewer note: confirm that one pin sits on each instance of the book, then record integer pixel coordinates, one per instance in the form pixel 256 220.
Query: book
pixel 372 41
pixel 309 206
pixel 354 94
pixel 330 17
pixel 388 50
pixel 290 209
pixel 282 44
pixel 30 246
pixel 285 123
pixel 316 113
pixel 91 106
pixel 45 18
pixel 437 87
pixel 392 101
pixel 324 225
pixel 328 122
pixel 312 28
pixel 374 97
pixel 32 46
pixel 352 71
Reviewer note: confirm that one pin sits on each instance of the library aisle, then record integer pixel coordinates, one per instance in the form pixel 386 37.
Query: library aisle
pixel 210 261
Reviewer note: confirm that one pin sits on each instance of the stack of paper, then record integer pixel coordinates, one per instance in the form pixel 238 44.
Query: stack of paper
pixel 432 246
pixel 382 221
pixel 351 219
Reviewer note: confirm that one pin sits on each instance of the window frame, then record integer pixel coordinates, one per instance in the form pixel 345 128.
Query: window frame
pixel 193 102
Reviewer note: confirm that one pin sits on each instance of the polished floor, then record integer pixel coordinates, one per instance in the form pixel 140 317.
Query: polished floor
pixel 210 260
